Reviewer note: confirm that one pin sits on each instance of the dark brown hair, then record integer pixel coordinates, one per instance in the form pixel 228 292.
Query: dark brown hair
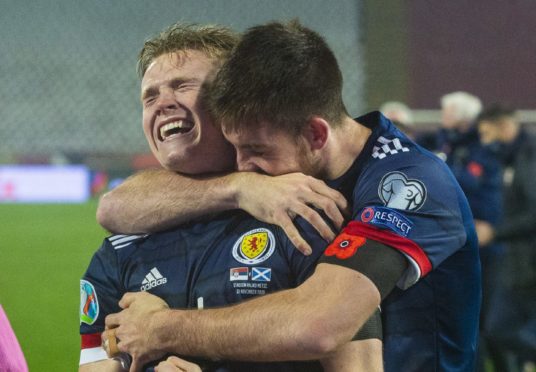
pixel 495 113
pixel 278 73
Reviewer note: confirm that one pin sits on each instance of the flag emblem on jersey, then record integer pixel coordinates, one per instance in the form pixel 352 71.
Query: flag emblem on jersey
pixel 89 305
pixel 345 246
pixel 238 273
pixel 261 274
pixel 254 246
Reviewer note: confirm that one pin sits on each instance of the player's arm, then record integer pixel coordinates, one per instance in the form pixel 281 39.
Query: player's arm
pixel 157 200
pixel 176 364
pixel 308 322
pixel 107 365
pixel 364 353
pixel 356 356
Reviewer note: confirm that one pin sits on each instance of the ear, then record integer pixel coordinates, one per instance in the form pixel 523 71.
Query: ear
pixel 317 132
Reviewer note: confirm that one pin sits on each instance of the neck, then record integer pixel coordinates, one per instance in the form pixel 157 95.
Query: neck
pixel 344 146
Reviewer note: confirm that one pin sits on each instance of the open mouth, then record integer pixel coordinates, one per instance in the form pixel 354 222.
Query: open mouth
pixel 174 128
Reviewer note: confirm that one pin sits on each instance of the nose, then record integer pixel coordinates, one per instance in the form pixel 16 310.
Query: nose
pixel 244 164
pixel 167 100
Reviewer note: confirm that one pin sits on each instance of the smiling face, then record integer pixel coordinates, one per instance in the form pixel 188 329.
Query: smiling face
pixel 180 133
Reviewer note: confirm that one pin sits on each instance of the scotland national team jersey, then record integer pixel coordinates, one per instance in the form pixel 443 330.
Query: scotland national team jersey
pixel 224 261
pixel 405 197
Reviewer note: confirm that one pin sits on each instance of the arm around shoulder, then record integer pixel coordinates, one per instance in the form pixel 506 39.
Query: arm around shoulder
pixel 156 200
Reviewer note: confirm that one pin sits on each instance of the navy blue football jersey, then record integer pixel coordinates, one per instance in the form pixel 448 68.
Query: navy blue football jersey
pixel 405 197
pixel 201 265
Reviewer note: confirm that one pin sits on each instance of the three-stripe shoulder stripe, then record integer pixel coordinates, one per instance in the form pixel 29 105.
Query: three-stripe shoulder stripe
pixel 121 241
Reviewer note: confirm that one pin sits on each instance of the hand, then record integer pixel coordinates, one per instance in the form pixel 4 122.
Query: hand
pixel 279 199
pixel 133 327
pixel 175 364
pixel 485 232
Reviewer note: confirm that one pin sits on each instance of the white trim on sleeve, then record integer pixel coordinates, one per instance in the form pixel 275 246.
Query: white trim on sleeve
pixel 93 354
pixel 411 275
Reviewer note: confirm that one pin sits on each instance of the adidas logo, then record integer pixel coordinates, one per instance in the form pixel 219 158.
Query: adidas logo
pixel 152 279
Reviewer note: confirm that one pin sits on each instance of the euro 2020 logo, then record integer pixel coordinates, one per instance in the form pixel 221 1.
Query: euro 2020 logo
pixel 89 305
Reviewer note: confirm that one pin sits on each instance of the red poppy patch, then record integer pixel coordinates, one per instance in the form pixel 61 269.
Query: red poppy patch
pixel 345 246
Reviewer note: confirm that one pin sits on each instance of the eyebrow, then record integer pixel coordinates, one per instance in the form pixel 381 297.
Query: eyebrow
pixel 153 90
pixel 252 146
pixel 149 92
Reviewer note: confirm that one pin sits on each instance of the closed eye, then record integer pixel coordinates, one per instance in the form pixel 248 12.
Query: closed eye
pixel 149 101
pixel 181 84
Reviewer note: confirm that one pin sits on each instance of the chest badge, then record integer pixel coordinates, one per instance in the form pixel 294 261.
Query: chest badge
pixel 254 246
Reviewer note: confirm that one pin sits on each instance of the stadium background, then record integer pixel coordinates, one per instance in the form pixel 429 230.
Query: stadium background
pixel 69 95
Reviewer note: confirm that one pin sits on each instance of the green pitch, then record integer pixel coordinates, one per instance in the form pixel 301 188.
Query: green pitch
pixel 44 250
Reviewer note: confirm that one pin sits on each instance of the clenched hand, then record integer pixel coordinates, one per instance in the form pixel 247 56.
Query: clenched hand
pixel 132 327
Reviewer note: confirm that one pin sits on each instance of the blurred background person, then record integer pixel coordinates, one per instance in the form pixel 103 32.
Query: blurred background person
pixel 512 324
pixel 458 113
pixel 400 114
pixel 479 173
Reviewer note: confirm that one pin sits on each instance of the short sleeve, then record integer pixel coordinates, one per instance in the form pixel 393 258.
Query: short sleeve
pixel 412 203
pixel 100 292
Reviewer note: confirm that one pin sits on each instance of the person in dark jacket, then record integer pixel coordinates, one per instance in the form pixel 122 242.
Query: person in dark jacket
pixel 479 173
pixel 513 324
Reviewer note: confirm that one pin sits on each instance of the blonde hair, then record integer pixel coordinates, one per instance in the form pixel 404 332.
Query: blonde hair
pixel 213 40
pixel 465 106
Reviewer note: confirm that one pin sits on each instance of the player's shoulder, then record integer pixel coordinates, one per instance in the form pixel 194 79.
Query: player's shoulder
pixel 408 162
pixel 397 169
pixel 388 146
pixel 185 232
pixel 393 150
